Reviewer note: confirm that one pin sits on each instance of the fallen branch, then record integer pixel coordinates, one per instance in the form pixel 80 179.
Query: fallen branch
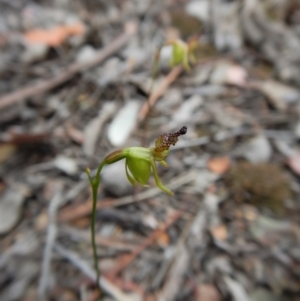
pixel 155 95
pixel 127 259
pixel 68 214
pixel 107 286
pixel 170 78
pixel 50 241
pixel 66 74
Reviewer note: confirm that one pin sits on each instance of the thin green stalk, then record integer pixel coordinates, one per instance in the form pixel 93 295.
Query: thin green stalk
pixel 95 185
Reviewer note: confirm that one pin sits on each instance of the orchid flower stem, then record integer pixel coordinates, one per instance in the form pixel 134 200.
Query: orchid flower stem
pixel 95 185
pixel 139 161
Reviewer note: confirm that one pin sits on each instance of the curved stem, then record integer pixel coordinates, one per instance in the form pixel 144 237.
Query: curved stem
pixel 95 185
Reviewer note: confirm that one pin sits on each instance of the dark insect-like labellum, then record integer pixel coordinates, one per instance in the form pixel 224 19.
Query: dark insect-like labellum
pixel 164 141
pixel 183 130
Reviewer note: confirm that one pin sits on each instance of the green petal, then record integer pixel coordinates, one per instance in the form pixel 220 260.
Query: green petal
pixel 163 163
pixel 157 179
pixel 139 168
pixel 129 176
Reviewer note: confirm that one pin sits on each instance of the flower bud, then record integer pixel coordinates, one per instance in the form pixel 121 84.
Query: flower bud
pixel 114 157
pixel 180 54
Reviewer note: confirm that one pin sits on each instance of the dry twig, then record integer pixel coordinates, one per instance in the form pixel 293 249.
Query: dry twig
pixel 105 284
pixel 175 72
pixel 69 214
pixel 127 259
pixel 50 240
pixel 64 75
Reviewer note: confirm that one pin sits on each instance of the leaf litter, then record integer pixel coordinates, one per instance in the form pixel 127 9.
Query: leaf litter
pixel 76 83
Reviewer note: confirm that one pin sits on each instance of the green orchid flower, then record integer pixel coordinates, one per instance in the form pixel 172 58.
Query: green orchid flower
pixel 139 163
pixel 182 52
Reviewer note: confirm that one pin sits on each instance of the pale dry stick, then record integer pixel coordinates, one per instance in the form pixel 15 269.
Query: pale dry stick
pixel 70 195
pixel 155 95
pixel 50 240
pixel 86 208
pixel 170 78
pixel 148 242
pixel 104 283
pixel 191 143
pixel 83 236
pixel 54 206
pixel 177 267
pixel 174 282
pixel 173 185
pixel 62 76
pixel 169 262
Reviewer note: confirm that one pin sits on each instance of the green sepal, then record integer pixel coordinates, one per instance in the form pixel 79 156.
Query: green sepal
pixel 139 168
pixel 115 156
pixel 129 176
pixel 180 54
pixel 157 179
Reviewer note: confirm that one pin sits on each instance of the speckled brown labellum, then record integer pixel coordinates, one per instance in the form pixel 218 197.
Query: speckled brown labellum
pixel 164 141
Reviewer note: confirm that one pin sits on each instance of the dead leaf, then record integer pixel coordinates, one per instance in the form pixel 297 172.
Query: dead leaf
pixel 41 221
pixel 123 123
pixel 236 289
pixel 66 165
pixel 228 116
pixel 279 95
pixel 294 163
pixel 22 139
pixel 55 36
pixel 219 232
pixel 75 134
pixel 236 75
pixel 207 292
pixel 227 73
pixel 2 186
pixel 219 165
pixel 82 222
pixel 6 151
pixel 163 239
pixel 257 150
pixel 94 126
pixel 11 207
